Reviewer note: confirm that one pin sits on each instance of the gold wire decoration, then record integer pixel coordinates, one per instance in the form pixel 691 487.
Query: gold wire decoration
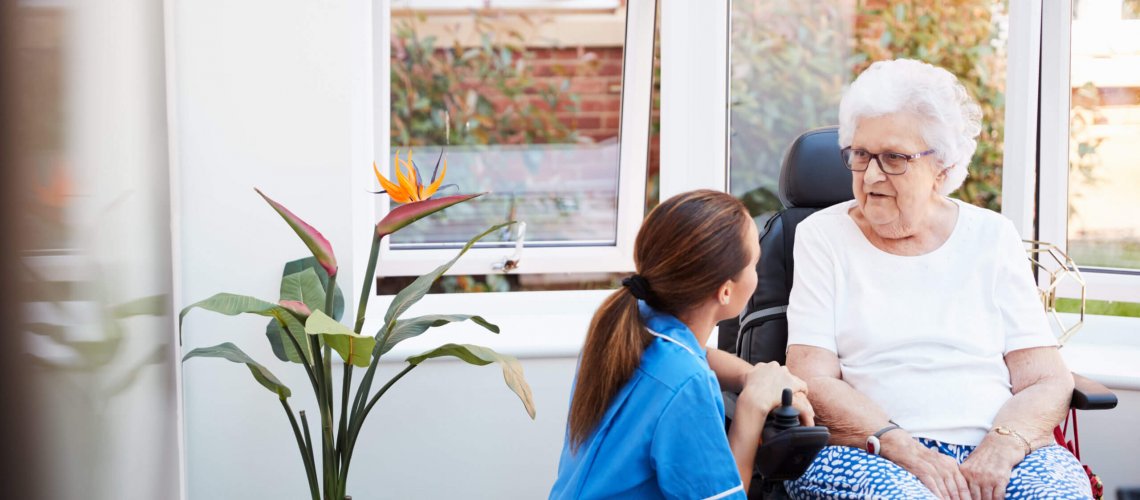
pixel 1050 262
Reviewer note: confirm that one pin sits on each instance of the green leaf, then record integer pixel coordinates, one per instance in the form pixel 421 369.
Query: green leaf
pixel 312 238
pixel 416 291
pixel 305 287
pixel 282 347
pixel 405 214
pixel 353 348
pixel 232 305
pixel 479 355
pixel 231 352
pixel 408 328
pixel 296 266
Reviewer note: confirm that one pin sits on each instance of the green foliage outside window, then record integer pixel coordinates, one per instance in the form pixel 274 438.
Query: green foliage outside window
pixel 962 37
pixel 791 62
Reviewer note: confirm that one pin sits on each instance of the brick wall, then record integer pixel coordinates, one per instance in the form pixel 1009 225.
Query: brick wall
pixel 594 75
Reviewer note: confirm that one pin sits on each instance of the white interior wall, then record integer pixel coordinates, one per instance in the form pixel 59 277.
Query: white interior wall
pixel 1109 442
pixel 274 94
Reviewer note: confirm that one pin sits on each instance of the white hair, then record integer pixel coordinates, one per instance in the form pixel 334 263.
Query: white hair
pixel 951 118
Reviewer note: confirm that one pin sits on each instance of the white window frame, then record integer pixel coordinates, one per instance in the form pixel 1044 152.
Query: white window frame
pixel 634 143
pixel 701 124
pixel 1019 163
pixel 694 96
pixel 513 4
pixel 1053 205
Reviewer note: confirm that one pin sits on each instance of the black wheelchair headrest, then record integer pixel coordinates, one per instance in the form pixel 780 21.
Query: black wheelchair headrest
pixel 813 174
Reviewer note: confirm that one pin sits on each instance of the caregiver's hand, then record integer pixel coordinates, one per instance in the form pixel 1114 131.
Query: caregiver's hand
pixel 765 384
pixel 939 473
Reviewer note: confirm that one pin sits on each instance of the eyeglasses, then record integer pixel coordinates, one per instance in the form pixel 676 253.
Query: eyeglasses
pixel 858 160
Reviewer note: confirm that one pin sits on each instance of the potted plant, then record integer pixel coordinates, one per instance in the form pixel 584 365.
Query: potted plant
pixel 305 329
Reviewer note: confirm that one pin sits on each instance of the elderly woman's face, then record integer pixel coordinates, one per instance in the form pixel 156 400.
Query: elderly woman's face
pixel 895 205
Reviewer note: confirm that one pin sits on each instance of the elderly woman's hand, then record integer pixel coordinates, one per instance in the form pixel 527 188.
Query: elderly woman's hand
pixel 938 472
pixel 988 468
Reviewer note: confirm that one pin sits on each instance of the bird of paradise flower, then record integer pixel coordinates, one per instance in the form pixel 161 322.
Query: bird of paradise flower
pixel 409 186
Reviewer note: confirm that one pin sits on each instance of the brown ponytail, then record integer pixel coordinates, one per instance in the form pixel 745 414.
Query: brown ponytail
pixel 687 247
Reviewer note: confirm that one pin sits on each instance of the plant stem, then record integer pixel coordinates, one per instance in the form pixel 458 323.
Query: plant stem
pixel 354 431
pixel 304 359
pixel 330 305
pixel 362 391
pixel 306 451
pixel 327 415
pixel 322 397
pixel 366 286
pixel 341 438
pixel 347 435
pixel 366 383
pixel 385 389
pixel 365 386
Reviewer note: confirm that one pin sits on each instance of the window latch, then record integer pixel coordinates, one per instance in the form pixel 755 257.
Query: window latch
pixel 511 263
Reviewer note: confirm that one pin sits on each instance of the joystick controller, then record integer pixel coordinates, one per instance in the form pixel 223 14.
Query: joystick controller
pixel 787 448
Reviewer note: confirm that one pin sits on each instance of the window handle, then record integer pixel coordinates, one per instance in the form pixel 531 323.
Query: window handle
pixel 511 263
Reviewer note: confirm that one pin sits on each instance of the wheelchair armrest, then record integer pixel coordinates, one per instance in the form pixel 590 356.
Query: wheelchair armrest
pixel 1089 394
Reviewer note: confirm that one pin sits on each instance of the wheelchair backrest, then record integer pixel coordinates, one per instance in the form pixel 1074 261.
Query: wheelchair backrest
pixel 812 177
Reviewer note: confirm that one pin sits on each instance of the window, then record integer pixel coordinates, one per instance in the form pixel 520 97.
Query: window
pixel 546 110
pixel 1088 201
pixel 1130 9
pixel 790 62
pixel 505 4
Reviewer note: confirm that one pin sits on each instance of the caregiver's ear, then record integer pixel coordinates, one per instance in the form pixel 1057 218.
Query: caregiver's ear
pixel 724 293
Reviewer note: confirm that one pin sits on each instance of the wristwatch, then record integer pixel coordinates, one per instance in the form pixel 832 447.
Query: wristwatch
pixel 873 445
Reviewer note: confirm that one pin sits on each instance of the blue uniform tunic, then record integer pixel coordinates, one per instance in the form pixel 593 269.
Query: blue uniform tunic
pixel 663 433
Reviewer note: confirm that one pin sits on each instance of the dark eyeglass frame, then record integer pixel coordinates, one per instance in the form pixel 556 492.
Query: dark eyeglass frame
pixel 875 156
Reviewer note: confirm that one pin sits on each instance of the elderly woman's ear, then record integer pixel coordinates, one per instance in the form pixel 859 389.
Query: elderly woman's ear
pixel 940 179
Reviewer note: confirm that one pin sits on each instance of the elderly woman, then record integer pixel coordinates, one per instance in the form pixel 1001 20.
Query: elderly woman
pixel 914 318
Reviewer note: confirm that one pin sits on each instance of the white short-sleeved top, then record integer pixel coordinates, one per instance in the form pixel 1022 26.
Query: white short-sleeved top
pixel 924 337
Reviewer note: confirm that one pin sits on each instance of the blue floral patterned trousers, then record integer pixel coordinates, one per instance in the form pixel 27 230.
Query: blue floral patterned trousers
pixel 851 473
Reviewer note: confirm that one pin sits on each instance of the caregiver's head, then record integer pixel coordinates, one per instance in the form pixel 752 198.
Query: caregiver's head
pixel 908 131
pixel 695 251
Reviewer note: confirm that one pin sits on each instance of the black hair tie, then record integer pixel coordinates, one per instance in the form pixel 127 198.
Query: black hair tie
pixel 638 286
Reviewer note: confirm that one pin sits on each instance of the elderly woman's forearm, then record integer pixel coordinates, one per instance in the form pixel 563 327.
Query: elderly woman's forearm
pixel 1037 409
pixel 1042 389
pixel 849 415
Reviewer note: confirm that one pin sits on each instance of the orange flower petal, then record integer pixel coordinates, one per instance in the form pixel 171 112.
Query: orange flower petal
pixel 406 187
pixel 399 198
pixel 438 181
pixel 388 186
pixel 411 170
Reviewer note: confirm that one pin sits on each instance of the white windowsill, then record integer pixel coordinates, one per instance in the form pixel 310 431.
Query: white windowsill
pixel 1106 349
pixel 554 324
pixel 532 324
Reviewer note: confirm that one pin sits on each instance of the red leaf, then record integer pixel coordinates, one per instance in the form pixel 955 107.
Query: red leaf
pixel 313 239
pixel 408 213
